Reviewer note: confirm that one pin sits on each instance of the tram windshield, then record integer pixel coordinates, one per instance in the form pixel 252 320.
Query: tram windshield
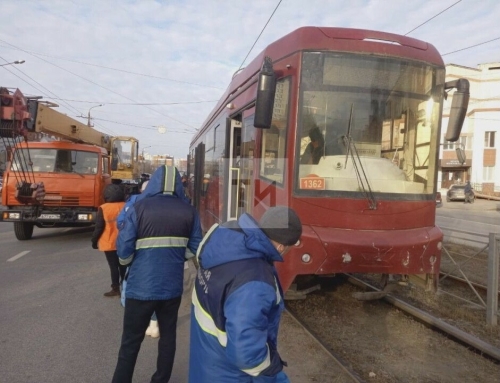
pixel 368 124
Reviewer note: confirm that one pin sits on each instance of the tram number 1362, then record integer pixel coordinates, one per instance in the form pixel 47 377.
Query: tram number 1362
pixel 314 183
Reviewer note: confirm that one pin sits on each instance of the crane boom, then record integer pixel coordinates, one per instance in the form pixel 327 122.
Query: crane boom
pixel 50 121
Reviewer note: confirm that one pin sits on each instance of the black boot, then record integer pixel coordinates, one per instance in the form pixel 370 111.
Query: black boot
pixel 114 292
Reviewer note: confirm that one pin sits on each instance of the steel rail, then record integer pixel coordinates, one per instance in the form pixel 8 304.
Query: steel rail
pixel 338 360
pixel 468 339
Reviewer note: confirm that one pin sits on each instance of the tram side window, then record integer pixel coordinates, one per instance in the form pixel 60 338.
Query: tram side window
pixel 272 162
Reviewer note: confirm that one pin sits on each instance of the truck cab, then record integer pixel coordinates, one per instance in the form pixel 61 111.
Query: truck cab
pixel 73 177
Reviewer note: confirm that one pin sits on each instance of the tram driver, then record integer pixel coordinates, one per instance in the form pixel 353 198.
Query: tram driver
pixel 315 149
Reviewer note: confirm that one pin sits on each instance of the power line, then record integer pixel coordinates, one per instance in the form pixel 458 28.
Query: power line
pixel 101 86
pixel 110 68
pixel 36 82
pixel 258 37
pixel 425 22
pixel 472 46
pixel 135 103
pixel 142 127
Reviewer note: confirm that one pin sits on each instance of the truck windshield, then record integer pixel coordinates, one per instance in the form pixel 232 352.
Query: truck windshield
pixel 53 160
pixel 368 122
pixel 122 153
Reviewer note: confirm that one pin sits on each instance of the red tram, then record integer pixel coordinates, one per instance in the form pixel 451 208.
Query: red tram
pixel 342 125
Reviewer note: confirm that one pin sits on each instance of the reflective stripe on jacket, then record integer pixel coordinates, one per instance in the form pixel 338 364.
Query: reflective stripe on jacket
pixel 107 240
pixel 158 228
pixel 236 308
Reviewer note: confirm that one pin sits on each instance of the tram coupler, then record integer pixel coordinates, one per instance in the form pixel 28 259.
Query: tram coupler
pixel 293 294
pixel 374 295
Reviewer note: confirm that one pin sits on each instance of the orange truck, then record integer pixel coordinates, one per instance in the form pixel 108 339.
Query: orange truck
pixel 58 183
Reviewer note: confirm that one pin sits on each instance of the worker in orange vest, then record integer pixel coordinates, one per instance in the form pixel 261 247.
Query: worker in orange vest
pixel 106 233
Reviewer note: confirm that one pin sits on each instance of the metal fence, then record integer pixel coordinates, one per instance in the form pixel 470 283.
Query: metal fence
pixel 481 268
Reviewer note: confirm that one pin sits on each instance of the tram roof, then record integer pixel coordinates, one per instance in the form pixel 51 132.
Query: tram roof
pixel 332 39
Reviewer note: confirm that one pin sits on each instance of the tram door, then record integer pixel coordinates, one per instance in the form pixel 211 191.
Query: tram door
pixel 233 148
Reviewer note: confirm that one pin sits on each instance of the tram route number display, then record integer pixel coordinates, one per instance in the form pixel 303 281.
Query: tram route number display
pixel 312 183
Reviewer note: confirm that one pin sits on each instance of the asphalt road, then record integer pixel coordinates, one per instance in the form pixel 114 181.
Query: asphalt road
pixel 482 217
pixel 55 324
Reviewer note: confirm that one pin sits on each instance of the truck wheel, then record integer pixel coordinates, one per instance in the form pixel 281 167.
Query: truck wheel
pixel 23 230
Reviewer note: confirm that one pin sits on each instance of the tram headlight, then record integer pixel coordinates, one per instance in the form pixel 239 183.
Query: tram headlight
pixel 306 258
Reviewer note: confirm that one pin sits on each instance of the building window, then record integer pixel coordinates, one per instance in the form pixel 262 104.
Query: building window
pixel 488 173
pixel 489 139
pixel 464 142
pixel 448 145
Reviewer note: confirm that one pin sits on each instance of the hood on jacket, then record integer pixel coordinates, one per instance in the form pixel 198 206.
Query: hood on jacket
pixel 237 241
pixel 114 193
pixel 165 180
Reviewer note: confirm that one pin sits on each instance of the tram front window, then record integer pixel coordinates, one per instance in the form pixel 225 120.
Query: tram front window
pixel 368 123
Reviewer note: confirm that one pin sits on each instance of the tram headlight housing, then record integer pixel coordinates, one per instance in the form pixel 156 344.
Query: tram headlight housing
pixel 306 258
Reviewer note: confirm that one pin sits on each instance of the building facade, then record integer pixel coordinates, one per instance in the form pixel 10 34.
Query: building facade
pixel 480 132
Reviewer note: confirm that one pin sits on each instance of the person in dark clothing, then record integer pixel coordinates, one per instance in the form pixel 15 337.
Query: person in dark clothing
pixel 237 300
pixel 315 149
pixel 158 230
pixel 468 192
pixel 106 232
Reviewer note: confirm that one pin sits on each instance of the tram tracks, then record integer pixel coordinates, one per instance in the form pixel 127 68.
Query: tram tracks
pixel 348 374
pixel 374 342
pixel 435 322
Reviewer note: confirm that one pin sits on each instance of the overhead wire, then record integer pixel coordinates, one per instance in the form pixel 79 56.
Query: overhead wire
pixel 472 46
pixel 136 103
pixel 258 37
pixel 142 127
pixel 112 69
pixel 69 106
pixel 101 86
pixel 433 17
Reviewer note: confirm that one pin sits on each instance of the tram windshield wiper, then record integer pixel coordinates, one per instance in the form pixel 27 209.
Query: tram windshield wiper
pixel 351 149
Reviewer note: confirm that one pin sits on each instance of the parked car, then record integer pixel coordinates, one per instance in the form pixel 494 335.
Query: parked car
pixel 456 193
pixel 439 199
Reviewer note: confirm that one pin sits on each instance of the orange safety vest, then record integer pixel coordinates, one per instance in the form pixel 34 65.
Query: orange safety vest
pixel 110 211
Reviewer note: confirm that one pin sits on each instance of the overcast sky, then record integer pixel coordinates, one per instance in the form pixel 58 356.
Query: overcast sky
pixel 181 54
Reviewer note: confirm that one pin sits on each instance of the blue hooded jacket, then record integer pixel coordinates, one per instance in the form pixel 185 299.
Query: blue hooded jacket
pixel 236 307
pixel 153 240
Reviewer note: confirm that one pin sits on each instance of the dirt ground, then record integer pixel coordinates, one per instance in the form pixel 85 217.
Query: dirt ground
pixel 384 345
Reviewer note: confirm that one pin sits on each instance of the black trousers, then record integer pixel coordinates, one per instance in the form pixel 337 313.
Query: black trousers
pixel 135 322
pixel 117 270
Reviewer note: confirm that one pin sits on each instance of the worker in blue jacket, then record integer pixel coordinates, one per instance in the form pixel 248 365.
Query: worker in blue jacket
pixel 237 300
pixel 158 229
